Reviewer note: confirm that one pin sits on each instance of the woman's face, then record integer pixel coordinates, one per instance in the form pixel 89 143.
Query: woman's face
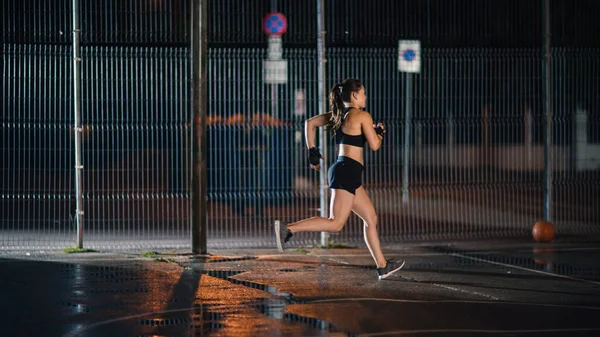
pixel 360 97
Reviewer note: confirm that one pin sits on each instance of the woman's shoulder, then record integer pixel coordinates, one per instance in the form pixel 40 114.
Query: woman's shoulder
pixel 361 114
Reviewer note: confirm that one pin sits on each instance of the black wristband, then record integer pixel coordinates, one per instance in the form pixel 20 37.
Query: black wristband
pixel 380 131
pixel 314 156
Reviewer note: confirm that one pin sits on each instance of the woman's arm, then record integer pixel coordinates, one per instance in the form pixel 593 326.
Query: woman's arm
pixel 311 125
pixel 368 130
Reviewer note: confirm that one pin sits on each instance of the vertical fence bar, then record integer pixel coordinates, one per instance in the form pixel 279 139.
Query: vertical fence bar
pixel 547 75
pixel 407 127
pixel 77 125
pixel 321 94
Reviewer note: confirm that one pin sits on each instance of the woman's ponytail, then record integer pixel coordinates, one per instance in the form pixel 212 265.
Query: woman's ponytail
pixel 336 103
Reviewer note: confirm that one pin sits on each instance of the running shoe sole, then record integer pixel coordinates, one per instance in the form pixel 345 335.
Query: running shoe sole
pixel 384 276
pixel 277 235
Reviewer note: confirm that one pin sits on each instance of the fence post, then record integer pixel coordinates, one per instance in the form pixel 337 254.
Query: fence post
pixel 580 139
pixel 322 93
pixel 548 111
pixel 407 121
pixel 527 134
pixel 198 17
pixel 77 126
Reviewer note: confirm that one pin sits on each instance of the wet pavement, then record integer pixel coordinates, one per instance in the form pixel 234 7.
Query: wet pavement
pixel 497 288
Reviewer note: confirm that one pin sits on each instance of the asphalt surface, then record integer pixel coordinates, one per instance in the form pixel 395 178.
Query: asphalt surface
pixel 489 288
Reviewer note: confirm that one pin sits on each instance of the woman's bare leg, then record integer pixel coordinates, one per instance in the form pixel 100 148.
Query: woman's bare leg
pixel 363 207
pixel 339 211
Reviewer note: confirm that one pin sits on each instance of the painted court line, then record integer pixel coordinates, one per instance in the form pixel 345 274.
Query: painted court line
pixel 362 299
pixel 124 318
pixel 525 269
pixel 415 332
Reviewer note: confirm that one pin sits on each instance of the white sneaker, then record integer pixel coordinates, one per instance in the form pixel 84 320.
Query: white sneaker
pixel 282 235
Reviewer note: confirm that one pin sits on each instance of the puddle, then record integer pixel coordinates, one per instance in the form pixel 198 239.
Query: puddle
pixel 275 307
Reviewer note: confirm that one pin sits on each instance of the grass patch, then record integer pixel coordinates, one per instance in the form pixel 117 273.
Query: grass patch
pixel 148 254
pixel 332 245
pixel 75 250
pixel 302 251
pixel 162 259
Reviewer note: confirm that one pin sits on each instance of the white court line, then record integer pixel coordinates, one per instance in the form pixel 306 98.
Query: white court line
pixel 334 260
pixel 411 332
pixel 355 299
pixel 123 318
pixel 398 254
pixel 360 299
pixel 525 269
pixel 567 249
pixel 351 255
pixel 555 249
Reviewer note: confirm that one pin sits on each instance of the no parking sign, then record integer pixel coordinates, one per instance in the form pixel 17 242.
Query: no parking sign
pixel 275 68
pixel 409 56
pixel 274 24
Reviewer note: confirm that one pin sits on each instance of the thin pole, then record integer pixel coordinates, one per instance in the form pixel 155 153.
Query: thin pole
pixel 77 126
pixel 548 111
pixel 407 119
pixel 199 94
pixel 274 86
pixel 322 93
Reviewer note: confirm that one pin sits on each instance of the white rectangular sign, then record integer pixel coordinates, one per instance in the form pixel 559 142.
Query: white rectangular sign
pixel 275 72
pixel 409 56
pixel 300 102
pixel 275 50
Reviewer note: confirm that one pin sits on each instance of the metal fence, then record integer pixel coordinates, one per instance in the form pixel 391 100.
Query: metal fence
pixel 476 152
pixel 475 168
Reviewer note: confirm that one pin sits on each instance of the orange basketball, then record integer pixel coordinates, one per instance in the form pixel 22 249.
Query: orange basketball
pixel 543 231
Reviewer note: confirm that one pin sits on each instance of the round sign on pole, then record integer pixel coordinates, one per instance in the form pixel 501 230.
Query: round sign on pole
pixel 409 56
pixel 274 24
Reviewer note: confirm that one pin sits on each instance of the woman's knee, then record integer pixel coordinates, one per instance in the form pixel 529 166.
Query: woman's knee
pixel 337 224
pixel 371 220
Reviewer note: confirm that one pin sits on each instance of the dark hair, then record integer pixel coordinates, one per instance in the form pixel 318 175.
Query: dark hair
pixel 340 93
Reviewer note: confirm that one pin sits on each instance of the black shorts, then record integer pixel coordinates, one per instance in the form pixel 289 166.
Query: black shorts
pixel 345 174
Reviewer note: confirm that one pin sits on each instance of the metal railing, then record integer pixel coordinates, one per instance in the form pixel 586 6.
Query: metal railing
pixel 477 144
pixel 475 168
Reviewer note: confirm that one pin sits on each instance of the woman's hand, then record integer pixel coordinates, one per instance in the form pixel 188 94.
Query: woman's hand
pixel 380 129
pixel 314 158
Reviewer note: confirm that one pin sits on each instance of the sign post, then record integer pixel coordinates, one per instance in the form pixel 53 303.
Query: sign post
pixel 275 67
pixel 409 61
pixel 322 93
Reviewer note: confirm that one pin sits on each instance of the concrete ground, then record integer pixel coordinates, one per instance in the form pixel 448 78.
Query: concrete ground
pixel 467 288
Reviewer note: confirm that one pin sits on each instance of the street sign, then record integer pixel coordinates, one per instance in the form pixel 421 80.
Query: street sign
pixel 275 51
pixel 275 71
pixel 274 24
pixel 409 56
pixel 300 102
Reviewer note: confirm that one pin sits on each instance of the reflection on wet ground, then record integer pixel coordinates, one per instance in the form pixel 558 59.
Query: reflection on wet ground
pixel 444 290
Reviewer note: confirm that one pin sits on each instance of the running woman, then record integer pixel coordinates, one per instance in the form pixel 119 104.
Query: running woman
pixel 352 127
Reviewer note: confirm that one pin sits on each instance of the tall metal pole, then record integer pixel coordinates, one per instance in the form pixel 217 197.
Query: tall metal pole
pixel 199 94
pixel 322 93
pixel 274 86
pixel 548 111
pixel 407 119
pixel 77 127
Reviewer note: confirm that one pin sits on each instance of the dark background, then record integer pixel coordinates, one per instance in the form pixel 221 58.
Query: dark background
pixel 437 23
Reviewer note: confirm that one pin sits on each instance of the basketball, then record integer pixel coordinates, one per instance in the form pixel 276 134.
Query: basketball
pixel 543 231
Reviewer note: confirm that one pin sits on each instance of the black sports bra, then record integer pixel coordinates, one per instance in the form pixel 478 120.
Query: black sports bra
pixel 342 138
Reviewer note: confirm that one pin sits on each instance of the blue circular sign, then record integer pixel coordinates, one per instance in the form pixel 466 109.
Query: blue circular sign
pixel 275 24
pixel 409 55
